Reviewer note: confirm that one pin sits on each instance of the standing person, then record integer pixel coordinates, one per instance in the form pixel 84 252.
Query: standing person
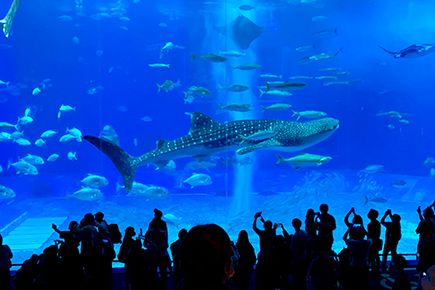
pixel 325 226
pixel 374 229
pixel 310 228
pixel 157 221
pixel 300 260
pixel 246 262
pixel 359 249
pixel 5 265
pixel 265 256
pixel 156 238
pixel 392 237
pixel 354 225
pixel 175 257
pixel 123 256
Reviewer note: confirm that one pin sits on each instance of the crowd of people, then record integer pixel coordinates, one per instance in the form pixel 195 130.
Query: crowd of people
pixel 205 258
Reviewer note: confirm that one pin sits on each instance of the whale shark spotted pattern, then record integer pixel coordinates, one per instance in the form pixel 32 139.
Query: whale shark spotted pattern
pixel 207 137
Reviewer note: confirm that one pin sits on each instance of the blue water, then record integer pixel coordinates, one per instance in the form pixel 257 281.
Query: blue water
pixel 113 56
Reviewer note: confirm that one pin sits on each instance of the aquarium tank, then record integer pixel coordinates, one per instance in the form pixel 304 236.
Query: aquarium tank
pixel 211 111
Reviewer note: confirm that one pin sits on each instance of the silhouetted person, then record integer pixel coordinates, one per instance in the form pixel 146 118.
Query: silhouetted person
pixel 157 239
pixel 325 226
pixel 310 228
pixel 300 258
pixel 359 249
pixel 401 281
pixel 140 266
pixel 374 229
pixel 75 242
pixel 426 243
pixel 354 225
pixel 123 256
pixel 51 269
pixel 323 271
pixel 392 237
pixel 157 220
pixel 5 265
pixel 26 275
pixel 246 262
pixel 205 256
pixel 175 257
pixel 265 256
pixel 280 269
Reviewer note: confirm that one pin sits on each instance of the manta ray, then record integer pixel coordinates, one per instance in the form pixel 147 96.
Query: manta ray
pixel 207 137
pixel 7 21
pixel 242 31
pixel 413 51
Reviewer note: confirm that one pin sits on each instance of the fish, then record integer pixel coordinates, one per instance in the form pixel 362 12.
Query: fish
pixel 9 18
pixel 52 157
pixel 275 93
pixel 309 114
pixel 330 69
pixel 1 168
pixel 413 51
pixel 72 156
pixel 375 199
pixel 109 134
pixel 171 219
pixel 260 135
pixel 305 48
pixel 284 86
pixel 24 167
pixel 372 168
pixel 168 85
pixel 76 40
pixel 94 180
pixel 432 173
pixel 428 162
pixel 398 183
pixel 390 127
pixel 5 125
pixel 326 32
pixel 210 57
pixel 303 160
pixel 124 18
pixel 236 107
pixel 195 165
pixel 234 88
pixel 33 159
pixel 76 133
pixel 246 66
pixel 301 78
pixel 163 25
pixel 197 91
pixel 271 76
pixel 406 122
pixel 65 18
pixel 22 142
pixel 67 138
pixel 48 134
pixel 6 192
pixel 335 84
pixel 326 78
pixel 199 179
pixel 233 53
pixel 391 114
pixel 242 31
pixel 276 107
pixel 40 142
pixel 156 192
pixel 65 108
pixel 25 120
pixel 342 73
pixel 207 137
pixel 323 56
pixel 238 160
pixel 246 7
pixel 138 188
pixel 159 65
pixel 147 119
pixel 87 194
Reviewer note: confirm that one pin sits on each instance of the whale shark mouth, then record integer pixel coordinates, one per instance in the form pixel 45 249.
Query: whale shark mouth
pixel 207 137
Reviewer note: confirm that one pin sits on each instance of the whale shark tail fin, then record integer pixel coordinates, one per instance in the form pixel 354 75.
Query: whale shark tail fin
pixel 387 51
pixel 121 159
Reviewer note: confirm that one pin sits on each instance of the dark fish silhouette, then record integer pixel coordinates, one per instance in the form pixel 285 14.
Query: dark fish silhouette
pixel 413 51
pixel 207 137
pixel 242 31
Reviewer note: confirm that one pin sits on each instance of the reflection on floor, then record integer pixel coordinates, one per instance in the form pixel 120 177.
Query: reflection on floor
pixel 32 233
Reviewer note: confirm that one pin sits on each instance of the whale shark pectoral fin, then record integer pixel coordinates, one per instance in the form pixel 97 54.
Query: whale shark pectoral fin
pixel 265 144
pixel 387 51
pixel 121 159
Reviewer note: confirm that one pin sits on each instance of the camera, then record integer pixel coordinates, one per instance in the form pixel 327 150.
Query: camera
pixel 258 214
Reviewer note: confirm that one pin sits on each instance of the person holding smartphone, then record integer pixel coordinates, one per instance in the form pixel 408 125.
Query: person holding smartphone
pixel 392 237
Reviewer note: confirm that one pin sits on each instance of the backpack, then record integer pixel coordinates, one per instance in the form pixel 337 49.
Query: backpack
pixel 115 234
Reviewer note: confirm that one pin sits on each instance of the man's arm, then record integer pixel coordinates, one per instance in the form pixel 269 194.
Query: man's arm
pixel 384 217
pixel 419 213
pixel 254 226
pixel 346 218
pixel 346 234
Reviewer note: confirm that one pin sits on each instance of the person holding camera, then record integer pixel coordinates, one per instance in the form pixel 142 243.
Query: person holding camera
pixel 392 237
pixel 325 225
pixel 265 256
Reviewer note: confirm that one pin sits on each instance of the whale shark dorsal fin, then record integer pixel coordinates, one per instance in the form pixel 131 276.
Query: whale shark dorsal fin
pixel 160 143
pixel 161 164
pixel 199 121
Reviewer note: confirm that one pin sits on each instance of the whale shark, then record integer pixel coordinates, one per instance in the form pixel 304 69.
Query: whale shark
pixel 207 137
pixel 7 21
pixel 413 51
